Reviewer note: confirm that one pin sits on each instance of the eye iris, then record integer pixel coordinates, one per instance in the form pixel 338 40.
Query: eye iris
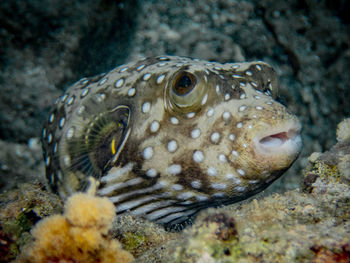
pixel 184 84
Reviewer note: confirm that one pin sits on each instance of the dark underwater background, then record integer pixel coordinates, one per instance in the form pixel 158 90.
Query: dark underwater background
pixel 47 45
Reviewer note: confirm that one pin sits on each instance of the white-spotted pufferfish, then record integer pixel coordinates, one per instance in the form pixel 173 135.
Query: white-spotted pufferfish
pixel 168 136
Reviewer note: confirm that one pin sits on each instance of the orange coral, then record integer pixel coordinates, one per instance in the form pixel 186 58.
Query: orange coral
pixel 79 235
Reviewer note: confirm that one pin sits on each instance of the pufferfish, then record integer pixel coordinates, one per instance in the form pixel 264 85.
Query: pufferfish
pixel 168 136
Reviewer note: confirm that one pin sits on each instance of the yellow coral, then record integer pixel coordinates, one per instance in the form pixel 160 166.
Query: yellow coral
pixel 79 235
pixel 96 212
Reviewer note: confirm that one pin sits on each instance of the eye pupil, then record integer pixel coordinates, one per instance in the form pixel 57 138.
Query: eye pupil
pixel 184 81
pixel 184 84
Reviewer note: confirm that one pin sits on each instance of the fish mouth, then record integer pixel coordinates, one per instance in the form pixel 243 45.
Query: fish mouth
pixel 281 139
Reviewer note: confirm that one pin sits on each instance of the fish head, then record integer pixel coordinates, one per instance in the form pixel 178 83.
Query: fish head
pixel 221 129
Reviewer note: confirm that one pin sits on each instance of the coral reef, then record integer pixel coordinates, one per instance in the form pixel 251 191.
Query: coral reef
pixel 44 50
pixel 312 225
pixel 144 239
pixel 21 209
pixel 79 235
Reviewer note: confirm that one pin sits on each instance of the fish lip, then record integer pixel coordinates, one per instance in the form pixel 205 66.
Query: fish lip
pixel 283 138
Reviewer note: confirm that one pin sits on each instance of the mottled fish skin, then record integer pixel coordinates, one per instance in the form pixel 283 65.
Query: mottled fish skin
pixel 169 136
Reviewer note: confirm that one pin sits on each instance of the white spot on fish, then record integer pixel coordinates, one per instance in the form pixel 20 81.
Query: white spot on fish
pixel 147 153
pixel 174 169
pixel 185 195
pixel 198 156
pixel 241 172
pixel 242 108
pixel 139 68
pixel 123 69
pixel 218 186
pixel 226 115
pixel 259 107
pixel 101 97
pixel 66 160
pixel 239 125
pixel 172 146
pixel 146 107
pixel 204 100
pixel 201 197
pixel 177 187
pixel 196 184
pixel 160 79
pixel 174 120
pixel 217 89
pixel 131 92
pixel 195 133
pixel 254 84
pixel 102 81
pixel 215 137
pixel 190 115
pixel 70 133
pixel 212 171
pixel 240 188
pixel 62 122
pixel 235 153
pixel 222 158
pixel 70 101
pixel 154 126
pixel 232 137
pixel 119 83
pixel 84 92
pixel 51 118
pixel 210 112
pixel 151 172
pixel 64 97
pixel 147 76
pixel 47 161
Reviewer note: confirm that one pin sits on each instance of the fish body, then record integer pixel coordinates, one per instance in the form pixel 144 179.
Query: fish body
pixel 168 136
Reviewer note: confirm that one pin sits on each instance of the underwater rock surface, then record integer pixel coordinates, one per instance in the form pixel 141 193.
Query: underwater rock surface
pixel 311 224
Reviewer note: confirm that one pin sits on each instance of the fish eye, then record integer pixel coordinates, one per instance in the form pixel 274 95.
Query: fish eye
pixel 184 83
pixel 184 92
